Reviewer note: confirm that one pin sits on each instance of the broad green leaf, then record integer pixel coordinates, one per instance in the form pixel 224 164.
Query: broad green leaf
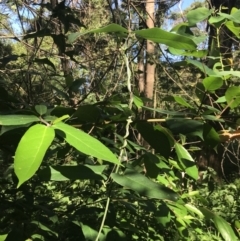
pixel 197 53
pixel 85 143
pixel 212 83
pixel 44 228
pixel 200 91
pixel 210 136
pixel 65 173
pixel 227 73
pixel 201 66
pixel 194 209
pixel 61 119
pixel 161 36
pixel 186 161
pixel 216 20
pixel 45 61
pixel 184 30
pixel 179 100
pixel 16 120
pixel 183 126
pixel 150 163
pixel 233 28
pixel 232 96
pixel 235 17
pixel 137 101
pixel 198 15
pixel 111 28
pixel 221 99
pixel 3 237
pixel 144 186
pixel 157 139
pixel 41 109
pixel 222 226
pixel 31 150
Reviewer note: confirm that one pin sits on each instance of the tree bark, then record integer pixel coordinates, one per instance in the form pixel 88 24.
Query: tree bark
pixel 150 65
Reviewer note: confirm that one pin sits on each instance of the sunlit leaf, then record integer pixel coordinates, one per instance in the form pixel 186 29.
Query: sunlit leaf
pixel 12 120
pixel 234 28
pixel 85 143
pixel 232 96
pixel 222 226
pixel 180 100
pixel 198 15
pixel 111 28
pixel 197 53
pixel 212 83
pixel 186 161
pixel 210 136
pixel 31 150
pixel 161 36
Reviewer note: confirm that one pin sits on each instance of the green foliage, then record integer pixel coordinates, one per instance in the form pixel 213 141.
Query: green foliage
pixel 92 159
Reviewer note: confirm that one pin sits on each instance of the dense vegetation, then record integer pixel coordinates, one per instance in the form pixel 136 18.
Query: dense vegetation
pixel 114 128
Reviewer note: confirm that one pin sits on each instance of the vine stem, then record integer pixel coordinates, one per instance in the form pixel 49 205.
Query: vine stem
pixel 129 121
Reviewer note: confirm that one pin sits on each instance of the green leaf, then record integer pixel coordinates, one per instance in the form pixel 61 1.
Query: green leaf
pixel 200 91
pixel 183 126
pixel 137 101
pixel 85 143
pixel 222 226
pixel 41 109
pixel 216 20
pixel 150 162
pixel 234 28
pixel 157 139
pixel 210 136
pixel 144 186
pixel 12 120
pixel 65 173
pixel 232 96
pixel 61 119
pixel 212 83
pixel 3 237
pixel 233 17
pixel 198 15
pixel 194 209
pixel 179 100
pixel 31 150
pixel 44 228
pixel 186 161
pixel 45 61
pixel 197 53
pixel 201 66
pixel 111 28
pixel 161 36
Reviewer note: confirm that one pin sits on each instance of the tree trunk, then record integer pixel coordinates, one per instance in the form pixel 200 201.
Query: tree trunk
pixel 150 65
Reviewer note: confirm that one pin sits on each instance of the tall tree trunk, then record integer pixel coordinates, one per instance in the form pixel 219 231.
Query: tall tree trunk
pixel 150 65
